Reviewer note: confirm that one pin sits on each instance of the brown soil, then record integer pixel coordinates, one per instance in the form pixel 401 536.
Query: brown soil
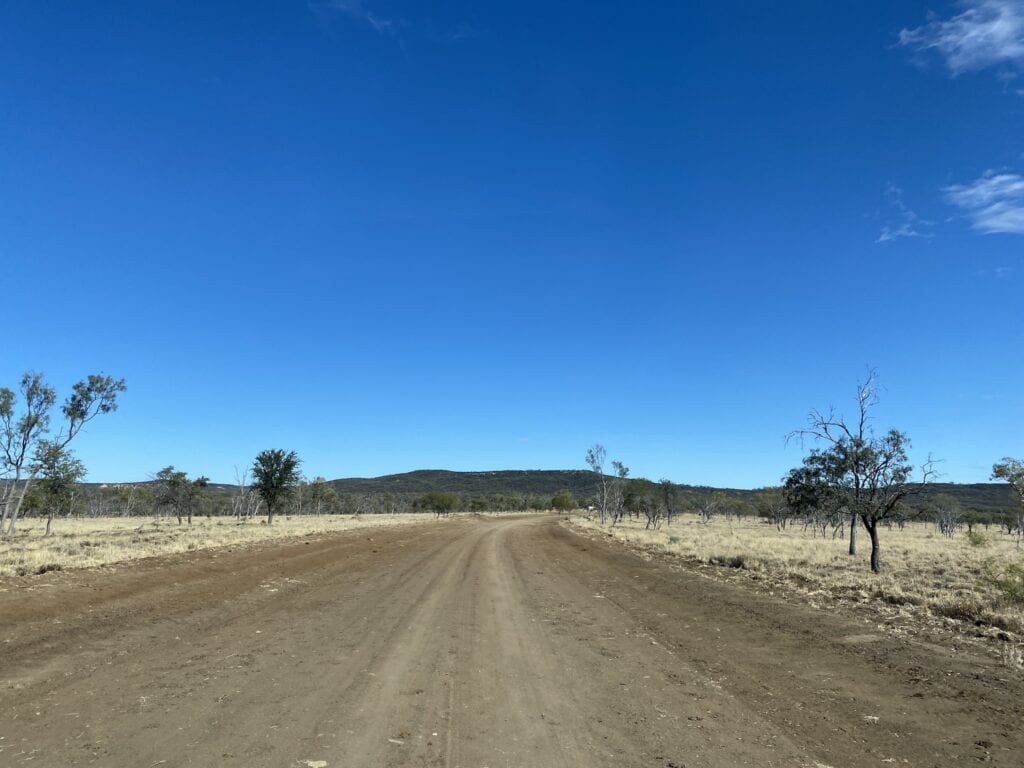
pixel 472 643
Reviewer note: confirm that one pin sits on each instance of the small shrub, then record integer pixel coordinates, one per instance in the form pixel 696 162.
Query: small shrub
pixel 977 539
pixel 730 561
pixel 1009 582
pixel 673 539
pixel 47 567
pixel 960 610
pixel 897 598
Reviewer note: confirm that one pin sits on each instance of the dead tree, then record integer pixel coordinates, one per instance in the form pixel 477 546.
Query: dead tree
pixel 596 456
pixel 708 506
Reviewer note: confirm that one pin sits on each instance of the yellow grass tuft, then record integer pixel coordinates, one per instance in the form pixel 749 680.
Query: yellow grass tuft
pixel 922 570
pixel 86 542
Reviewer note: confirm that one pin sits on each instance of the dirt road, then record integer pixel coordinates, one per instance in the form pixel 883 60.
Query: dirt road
pixel 470 643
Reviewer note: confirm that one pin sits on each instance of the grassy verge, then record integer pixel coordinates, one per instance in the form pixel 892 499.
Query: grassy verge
pixel 973 579
pixel 87 542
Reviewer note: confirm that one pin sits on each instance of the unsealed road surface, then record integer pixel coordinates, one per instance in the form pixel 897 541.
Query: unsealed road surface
pixel 470 643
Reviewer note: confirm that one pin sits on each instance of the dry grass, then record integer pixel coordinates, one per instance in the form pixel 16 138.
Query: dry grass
pixel 82 543
pixel 923 572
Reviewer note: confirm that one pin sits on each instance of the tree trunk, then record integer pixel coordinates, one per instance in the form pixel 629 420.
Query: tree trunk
pixel 270 514
pixel 876 550
pixel 17 504
pixel 49 521
pixel 190 517
pixel 853 533
pixel 5 500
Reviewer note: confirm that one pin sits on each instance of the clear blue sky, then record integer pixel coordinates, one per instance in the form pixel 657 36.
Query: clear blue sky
pixel 394 235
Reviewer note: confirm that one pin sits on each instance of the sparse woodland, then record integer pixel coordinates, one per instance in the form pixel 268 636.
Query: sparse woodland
pixel 940 557
pixel 953 551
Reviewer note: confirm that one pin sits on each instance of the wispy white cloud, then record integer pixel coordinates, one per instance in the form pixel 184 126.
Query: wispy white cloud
pixel 361 12
pixel 907 223
pixel 987 33
pixel 461 31
pixel 358 10
pixel 998 273
pixel 994 202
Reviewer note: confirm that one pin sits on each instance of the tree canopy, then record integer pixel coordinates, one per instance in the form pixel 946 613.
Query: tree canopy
pixel 274 473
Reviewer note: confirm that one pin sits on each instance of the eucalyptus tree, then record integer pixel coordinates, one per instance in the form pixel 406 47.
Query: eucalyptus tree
pixel 668 497
pixel 438 502
pixel 274 473
pixel 867 474
pixel 617 500
pixel 177 492
pixel 771 504
pixel 322 496
pixel 811 495
pixel 563 501
pixel 59 474
pixel 1012 471
pixel 596 456
pixel 23 431
pixel 642 497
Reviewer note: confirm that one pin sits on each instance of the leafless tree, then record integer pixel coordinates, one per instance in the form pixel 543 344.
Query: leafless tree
pixel 617 491
pixel 771 504
pixel 946 512
pixel 708 505
pixel 596 456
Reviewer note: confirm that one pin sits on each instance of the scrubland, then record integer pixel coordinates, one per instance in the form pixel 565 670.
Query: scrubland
pixel 86 542
pixel 976 578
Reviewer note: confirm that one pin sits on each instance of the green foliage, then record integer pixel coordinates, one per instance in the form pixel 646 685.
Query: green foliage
pixel 23 433
pixel 59 474
pixel 438 502
pixel 971 518
pixel 507 483
pixel 502 491
pixel 322 496
pixel 179 494
pixel 669 498
pixel 638 494
pixel 854 469
pixel 990 500
pixel 1012 471
pixel 479 504
pixel 563 501
pixel 274 473
pixel 506 490
pixel 977 539
pixel 95 396
pixel 20 433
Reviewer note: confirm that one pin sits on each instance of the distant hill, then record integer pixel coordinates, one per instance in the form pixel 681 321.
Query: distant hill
pixel 985 498
pixel 531 482
pixel 981 497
